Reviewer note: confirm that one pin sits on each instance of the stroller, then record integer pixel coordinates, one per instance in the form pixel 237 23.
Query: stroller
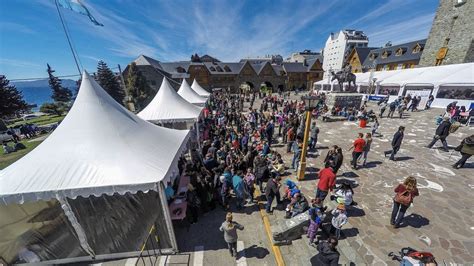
pixel 412 257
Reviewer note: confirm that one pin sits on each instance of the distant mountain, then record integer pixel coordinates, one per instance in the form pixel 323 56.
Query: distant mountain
pixel 42 83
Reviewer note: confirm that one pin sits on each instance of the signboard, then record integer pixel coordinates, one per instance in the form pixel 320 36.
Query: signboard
pixel 376 98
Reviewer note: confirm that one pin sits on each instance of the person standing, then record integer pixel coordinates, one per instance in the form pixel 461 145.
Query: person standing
pixel 466 148
pixel 405 193
pixel 249 180
pixel 442 132
pixel 396 143
pixel 229 227
pixel 272 190
pixel 358 147
pixel 328 254
pixel 383 107
pixel 368 143
pixel 375 126
pixel 327 180
pixel 314 136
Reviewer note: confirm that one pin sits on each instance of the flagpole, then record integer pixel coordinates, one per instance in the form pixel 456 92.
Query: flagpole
pixel 68 39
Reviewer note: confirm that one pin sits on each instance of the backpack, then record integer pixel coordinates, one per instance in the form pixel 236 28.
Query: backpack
pixel 403 198
pixel 454 127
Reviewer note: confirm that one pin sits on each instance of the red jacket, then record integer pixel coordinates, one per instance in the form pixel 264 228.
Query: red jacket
pixel 401 188
pixel 327 179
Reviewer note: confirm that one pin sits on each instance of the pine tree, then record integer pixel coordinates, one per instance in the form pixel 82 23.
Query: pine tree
pixel 11 100
pixel 60 94
pixel 138 87
pixel 106 78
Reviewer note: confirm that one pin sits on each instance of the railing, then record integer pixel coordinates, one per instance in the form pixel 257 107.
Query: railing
pixel 150 247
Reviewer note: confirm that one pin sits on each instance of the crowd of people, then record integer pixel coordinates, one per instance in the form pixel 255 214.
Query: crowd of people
pixel 236 157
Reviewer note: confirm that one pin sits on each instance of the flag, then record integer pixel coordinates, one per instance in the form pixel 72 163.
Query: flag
pixel 77 6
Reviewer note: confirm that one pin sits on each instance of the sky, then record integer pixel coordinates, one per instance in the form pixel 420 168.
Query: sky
pixel 31 34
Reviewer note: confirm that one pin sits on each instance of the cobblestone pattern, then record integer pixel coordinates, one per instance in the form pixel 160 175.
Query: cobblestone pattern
pixel 440 220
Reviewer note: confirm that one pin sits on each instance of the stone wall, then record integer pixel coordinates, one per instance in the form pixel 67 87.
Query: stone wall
pixel 456 22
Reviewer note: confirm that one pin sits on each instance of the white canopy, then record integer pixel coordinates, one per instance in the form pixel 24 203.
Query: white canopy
pixel 199 90
pixel 189 95
pixel 168 106
pixel 99 148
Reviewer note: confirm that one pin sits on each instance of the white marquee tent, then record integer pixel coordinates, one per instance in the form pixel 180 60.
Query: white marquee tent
pixel 455 82
pixel 88 190
pixel 169 107
pixel 190 95
pixel 199 90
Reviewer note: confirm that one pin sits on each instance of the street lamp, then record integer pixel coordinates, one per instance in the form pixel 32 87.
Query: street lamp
pixel 310 103
pixel 372 89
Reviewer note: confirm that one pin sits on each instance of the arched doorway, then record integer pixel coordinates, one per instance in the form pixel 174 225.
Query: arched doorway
pixel 247 88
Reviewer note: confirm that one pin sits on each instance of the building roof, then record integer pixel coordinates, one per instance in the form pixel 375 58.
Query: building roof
pixel 392 57
pixel 290 67
pixel 363 52
pixel 310 62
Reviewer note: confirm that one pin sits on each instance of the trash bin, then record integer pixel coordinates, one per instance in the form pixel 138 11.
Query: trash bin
pixel 362 123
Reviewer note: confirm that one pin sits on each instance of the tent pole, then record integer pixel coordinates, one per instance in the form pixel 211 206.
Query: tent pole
pixel 169 224
pixel 76 226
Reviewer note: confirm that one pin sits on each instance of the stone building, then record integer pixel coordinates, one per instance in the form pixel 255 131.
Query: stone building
pixel 215 74
pixel 401 56
pixel 451 39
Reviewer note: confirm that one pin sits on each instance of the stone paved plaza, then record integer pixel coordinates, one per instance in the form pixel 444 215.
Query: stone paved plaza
pixel 440 221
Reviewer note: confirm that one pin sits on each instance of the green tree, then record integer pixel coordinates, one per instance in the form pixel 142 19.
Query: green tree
pixel 57 108
pixel 107 79
pixel 137 87
pixel 11 100
pixel 60 94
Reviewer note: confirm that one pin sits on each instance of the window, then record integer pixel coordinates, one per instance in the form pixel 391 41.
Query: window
pixel 219 69
pixel 418 48
pixel 212 68
pixel 373 56
pixel 227 68
pixel 456 92
pixel 400 51
pixel 386 53
pixel 180 70
pixel 364 89
pixel 389 90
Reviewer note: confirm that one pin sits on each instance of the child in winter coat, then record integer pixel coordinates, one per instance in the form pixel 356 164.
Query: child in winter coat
pixel 316 217
pixel 339 219
pixel 344 194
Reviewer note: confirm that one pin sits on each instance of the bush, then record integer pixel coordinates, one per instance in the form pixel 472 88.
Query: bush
pixel 57 108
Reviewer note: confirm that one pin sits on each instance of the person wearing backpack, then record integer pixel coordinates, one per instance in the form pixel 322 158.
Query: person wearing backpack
pixel 441 133
pixel 392 106
pixel 466 148
pixel 405 193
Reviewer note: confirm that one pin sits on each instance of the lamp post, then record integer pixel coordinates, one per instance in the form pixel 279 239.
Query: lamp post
pixel 310 105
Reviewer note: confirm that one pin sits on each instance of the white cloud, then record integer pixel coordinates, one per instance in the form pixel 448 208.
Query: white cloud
pixel 388 7
pixel 404 31
pixel 18 63
pixel 15 27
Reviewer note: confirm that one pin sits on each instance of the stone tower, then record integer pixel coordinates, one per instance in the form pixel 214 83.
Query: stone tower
pixel 451 36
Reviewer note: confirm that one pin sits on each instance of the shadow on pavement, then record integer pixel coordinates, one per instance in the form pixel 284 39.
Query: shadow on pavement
pixel 404 158
pixel 355 212
pixel 372 164
pixel 255 252
pixel 350 174
pixel 348 232
pixel 415 220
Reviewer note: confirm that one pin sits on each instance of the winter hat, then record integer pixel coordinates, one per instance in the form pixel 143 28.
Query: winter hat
pixel 341 206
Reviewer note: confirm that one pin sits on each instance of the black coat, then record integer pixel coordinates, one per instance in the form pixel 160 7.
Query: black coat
pixel 443 129
pixel 397 139
pixel 326 256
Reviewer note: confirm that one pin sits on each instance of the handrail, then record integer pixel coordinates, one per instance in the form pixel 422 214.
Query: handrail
pixel 153 240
